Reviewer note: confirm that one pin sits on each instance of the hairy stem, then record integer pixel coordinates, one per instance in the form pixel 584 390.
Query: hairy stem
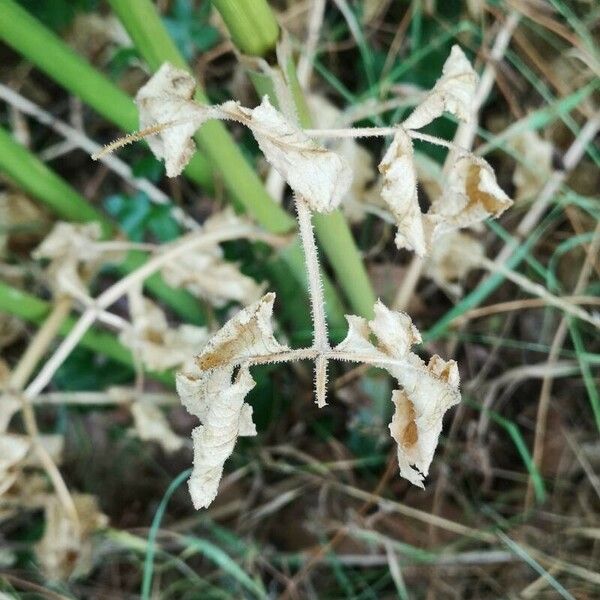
pixel 317 301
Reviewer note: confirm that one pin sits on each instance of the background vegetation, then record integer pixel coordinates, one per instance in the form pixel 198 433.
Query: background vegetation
pixel 313 506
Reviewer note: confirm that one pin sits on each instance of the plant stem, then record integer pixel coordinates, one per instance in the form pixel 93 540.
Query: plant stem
pixel 50 54
pixel 251 24
pixel 315 288
pixel 18 378
pixel 34 310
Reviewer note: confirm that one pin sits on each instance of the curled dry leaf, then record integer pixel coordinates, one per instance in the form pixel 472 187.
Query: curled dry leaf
pixel 399 191
pixel 427 390
pixel 159 346
pixel 205 273
pixel 74 254
pixel 453 92
pixel 452 256
pixel 319 175
pixel 151 425
pixel 207 391
pixel 167 99
pixel 66 548
pixel 470 194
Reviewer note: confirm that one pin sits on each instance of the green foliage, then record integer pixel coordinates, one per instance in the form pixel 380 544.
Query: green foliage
pixel 137 216
pixel 190 28
pixel 58 14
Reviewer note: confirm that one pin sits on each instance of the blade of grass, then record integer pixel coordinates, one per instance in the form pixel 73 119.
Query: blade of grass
pixel 251 24
pixel 156 521
pixel 41 182
pixel 515 435
pixel 526 557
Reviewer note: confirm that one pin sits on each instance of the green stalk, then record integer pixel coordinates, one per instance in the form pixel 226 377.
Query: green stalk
pixel 332 231
pixel 40 181
pixel 251 24
pixel 37 179
pixel 34 310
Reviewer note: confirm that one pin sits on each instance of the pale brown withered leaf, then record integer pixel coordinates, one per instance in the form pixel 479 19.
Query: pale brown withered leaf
pixel 470 195
pixel 399 191
pixel 151 339
pixel 205 273
pixel 452 256
pixel 167 100
pixel 210 390
pixel 151 425
pixel 74 254
pixel 453 92
pixel 66 548
pixel 319 175
pixel 426 390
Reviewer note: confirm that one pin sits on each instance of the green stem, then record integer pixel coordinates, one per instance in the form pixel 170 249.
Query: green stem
pixel 332 231
pixel 40 181
pixel 50 54
pixel 37 179
pixel 34 310
pixel 251 24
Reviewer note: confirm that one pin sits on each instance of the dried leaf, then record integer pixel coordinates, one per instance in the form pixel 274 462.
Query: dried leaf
pixel 206 274
pixel 167 98
pixel 453 92
pixel 470 195
pixel 320 176
pixel 206 390
pixel 66 549
pixel 219 403
pixel 399 191
pixel 530 176
pixel 73 253
pixel 248 334
pixel 159 346
pixel 151 425
pixel 427 390
pixel 13 449
pixel 452 256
